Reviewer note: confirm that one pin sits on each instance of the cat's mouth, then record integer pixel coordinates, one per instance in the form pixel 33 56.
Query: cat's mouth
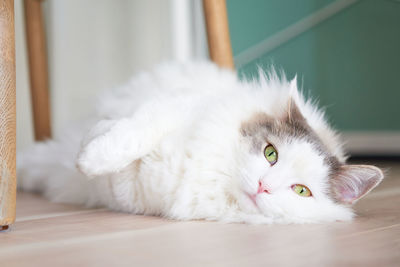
pixel 253 198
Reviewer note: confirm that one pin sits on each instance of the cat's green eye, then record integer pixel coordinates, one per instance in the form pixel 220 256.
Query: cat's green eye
pixel 301 190
pixel 271 154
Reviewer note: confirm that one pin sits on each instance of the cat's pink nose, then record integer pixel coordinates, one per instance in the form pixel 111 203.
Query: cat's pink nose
pixel 262 188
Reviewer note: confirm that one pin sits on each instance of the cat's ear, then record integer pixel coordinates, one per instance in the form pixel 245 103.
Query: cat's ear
pixel 293 86
pixel 294 91
pixel 354 181
pixel 293 112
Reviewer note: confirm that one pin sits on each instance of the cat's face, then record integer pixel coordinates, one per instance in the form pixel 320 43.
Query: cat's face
pixel 287 173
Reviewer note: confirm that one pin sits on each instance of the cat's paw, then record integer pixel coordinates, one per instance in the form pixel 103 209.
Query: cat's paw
pixel 100 157
pixel 109 151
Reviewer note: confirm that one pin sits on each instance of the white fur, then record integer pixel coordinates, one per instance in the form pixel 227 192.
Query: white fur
pixel 168 143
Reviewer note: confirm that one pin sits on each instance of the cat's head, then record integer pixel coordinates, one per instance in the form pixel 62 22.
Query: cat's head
pixel 292 167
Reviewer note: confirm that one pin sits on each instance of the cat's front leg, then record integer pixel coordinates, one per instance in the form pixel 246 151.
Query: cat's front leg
pixel 113 145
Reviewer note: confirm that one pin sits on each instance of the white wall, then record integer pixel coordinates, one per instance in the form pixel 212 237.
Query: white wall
pixel 98 44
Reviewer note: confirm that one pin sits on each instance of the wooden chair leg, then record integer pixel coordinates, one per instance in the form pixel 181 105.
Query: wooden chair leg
pixel 7 114
pixel 38 70
pixel 219 43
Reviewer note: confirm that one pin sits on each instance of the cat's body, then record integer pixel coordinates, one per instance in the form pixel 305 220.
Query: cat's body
pixel 187 142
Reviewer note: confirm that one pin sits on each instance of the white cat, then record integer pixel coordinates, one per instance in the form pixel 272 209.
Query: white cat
pixel 191 141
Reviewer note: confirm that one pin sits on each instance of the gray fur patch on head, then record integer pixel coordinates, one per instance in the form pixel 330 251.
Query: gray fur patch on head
pixel 291 126
pixel 257 129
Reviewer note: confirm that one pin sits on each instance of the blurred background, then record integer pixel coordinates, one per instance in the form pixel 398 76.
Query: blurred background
pixel 344 52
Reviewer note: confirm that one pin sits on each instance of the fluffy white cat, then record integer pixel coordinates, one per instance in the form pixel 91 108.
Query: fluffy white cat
pixel 192 141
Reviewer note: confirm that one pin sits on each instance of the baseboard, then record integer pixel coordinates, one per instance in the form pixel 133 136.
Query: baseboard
pixel 377 143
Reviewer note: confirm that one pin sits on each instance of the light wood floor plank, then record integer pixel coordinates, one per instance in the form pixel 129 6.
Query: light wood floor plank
pixel 32 205
pixel 48 234
pixel 199 244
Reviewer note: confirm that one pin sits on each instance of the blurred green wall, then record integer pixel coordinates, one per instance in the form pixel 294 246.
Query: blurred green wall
pixel 350 62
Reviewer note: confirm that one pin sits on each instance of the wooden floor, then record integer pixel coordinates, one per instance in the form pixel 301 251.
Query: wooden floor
pixel 47 234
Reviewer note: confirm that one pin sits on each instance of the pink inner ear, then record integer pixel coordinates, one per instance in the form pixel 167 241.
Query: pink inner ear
pixel 355 191
pixel 355 181
pixel 347 195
